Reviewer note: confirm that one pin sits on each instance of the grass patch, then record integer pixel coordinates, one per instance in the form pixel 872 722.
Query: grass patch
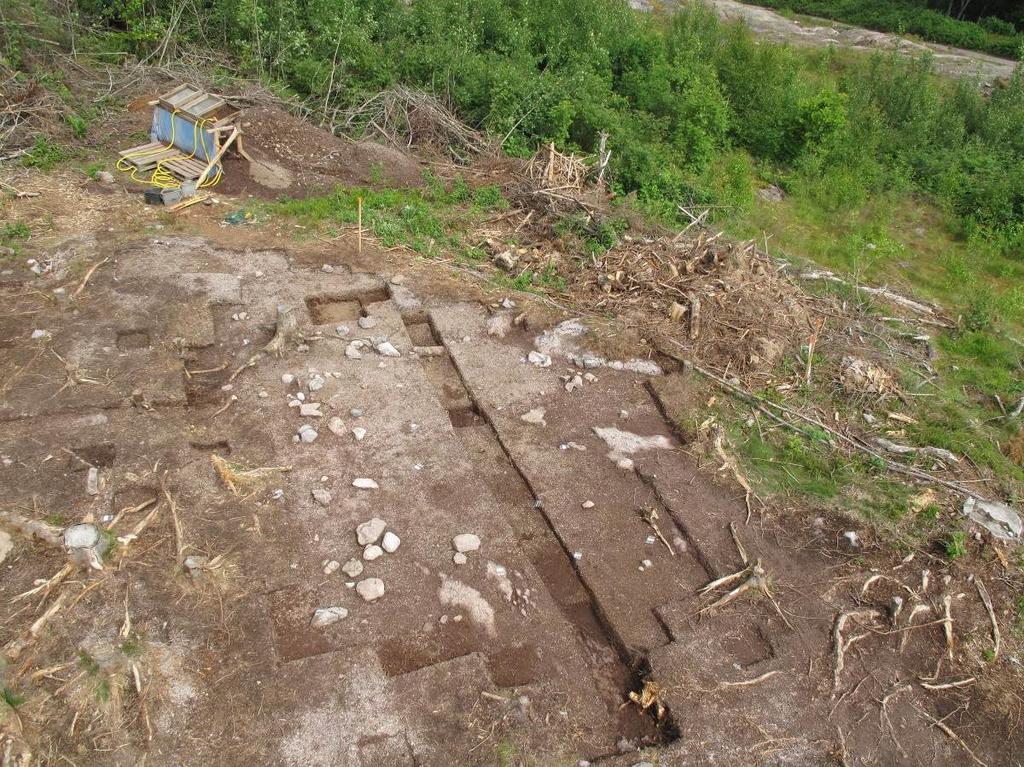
pixel 44 155
pixel 428 220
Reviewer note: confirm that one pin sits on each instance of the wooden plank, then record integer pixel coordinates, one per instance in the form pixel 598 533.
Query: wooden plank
pixel 220 153
pixel 151 160
pixel 141 148
pixel 186 203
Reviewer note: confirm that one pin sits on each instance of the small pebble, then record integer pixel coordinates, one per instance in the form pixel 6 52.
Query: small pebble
pixel 372 552
pixel 371 531
pixel 325 616
pixel 331 567
pixel 459 558
pixel 370 589
pixel 390 542
pixel 466 542
pixel 365 483
pixel 587 504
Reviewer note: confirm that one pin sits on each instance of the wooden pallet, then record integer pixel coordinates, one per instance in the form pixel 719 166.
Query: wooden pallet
pixel 146 156
pixel 186 168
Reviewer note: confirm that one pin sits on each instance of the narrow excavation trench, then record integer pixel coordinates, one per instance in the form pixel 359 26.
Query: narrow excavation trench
pixel 548 553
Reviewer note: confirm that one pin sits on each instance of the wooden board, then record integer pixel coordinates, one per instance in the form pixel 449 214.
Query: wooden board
pixel 148 155
pixel 187 168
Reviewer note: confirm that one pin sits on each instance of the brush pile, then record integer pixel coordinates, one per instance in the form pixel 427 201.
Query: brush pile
pixel 556 171
pixel 731 302
pixel 406 118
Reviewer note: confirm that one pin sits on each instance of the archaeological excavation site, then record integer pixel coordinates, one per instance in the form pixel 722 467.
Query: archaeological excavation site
pixel 358 435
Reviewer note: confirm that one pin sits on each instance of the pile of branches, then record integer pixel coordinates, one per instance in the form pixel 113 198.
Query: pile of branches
pixel 26 109
pixel 727 301
pixel 556 171
pixel 406 118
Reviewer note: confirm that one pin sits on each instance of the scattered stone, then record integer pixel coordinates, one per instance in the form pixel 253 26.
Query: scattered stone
pixel 322 496
pixel 370 589
pixel 365 483
pixel 331 567
pixel 300 397
pixel 92 481
pixel 367 323
pixel 310 410
pixel 287 379
pixel 37 334
pixel 498 325
pixel 195 563
pixel 466 542
pixel 771 193
pixel 85 544
pixel 508 303
pixel 391 542
pixel 575 383
pixel 316 383
pixel 355 412
pixel 459 558
pixel 105 176
pixel 278 494
pixel 263 394
pixel 535 416
pixel 358 432
pixel 998 518
pixel 506 260
pixel 352 568
pixel 587 504
pixel 538 359
pixel 852 539
pixel 577 555
pixel 6 544
pixel 352 350
pixel 343 330
pixel 307 433
pixel 370 532
pixel 387 349
pixel 325 616
pixel 327 268
pixel 372 552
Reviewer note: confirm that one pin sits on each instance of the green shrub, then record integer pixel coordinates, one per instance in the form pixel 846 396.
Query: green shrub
pixel 956 544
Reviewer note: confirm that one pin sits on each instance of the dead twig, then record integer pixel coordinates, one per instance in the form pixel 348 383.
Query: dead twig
pixel 88 276
pixel 952 736
pixel 987 601
pixel 841 645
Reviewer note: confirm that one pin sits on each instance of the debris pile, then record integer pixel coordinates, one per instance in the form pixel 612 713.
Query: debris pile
pixel 406 118
pixel 735 307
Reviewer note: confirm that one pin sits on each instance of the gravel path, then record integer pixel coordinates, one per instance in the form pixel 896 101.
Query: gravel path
pixel 949 61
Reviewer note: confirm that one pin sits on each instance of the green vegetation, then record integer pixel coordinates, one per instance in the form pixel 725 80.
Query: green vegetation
pixel 427 220
pixel 991 34
pixel 44 155
pixel 956 544
pixel 11 698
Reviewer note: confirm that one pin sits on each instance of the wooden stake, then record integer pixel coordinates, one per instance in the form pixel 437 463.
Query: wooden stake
pixel 359 241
